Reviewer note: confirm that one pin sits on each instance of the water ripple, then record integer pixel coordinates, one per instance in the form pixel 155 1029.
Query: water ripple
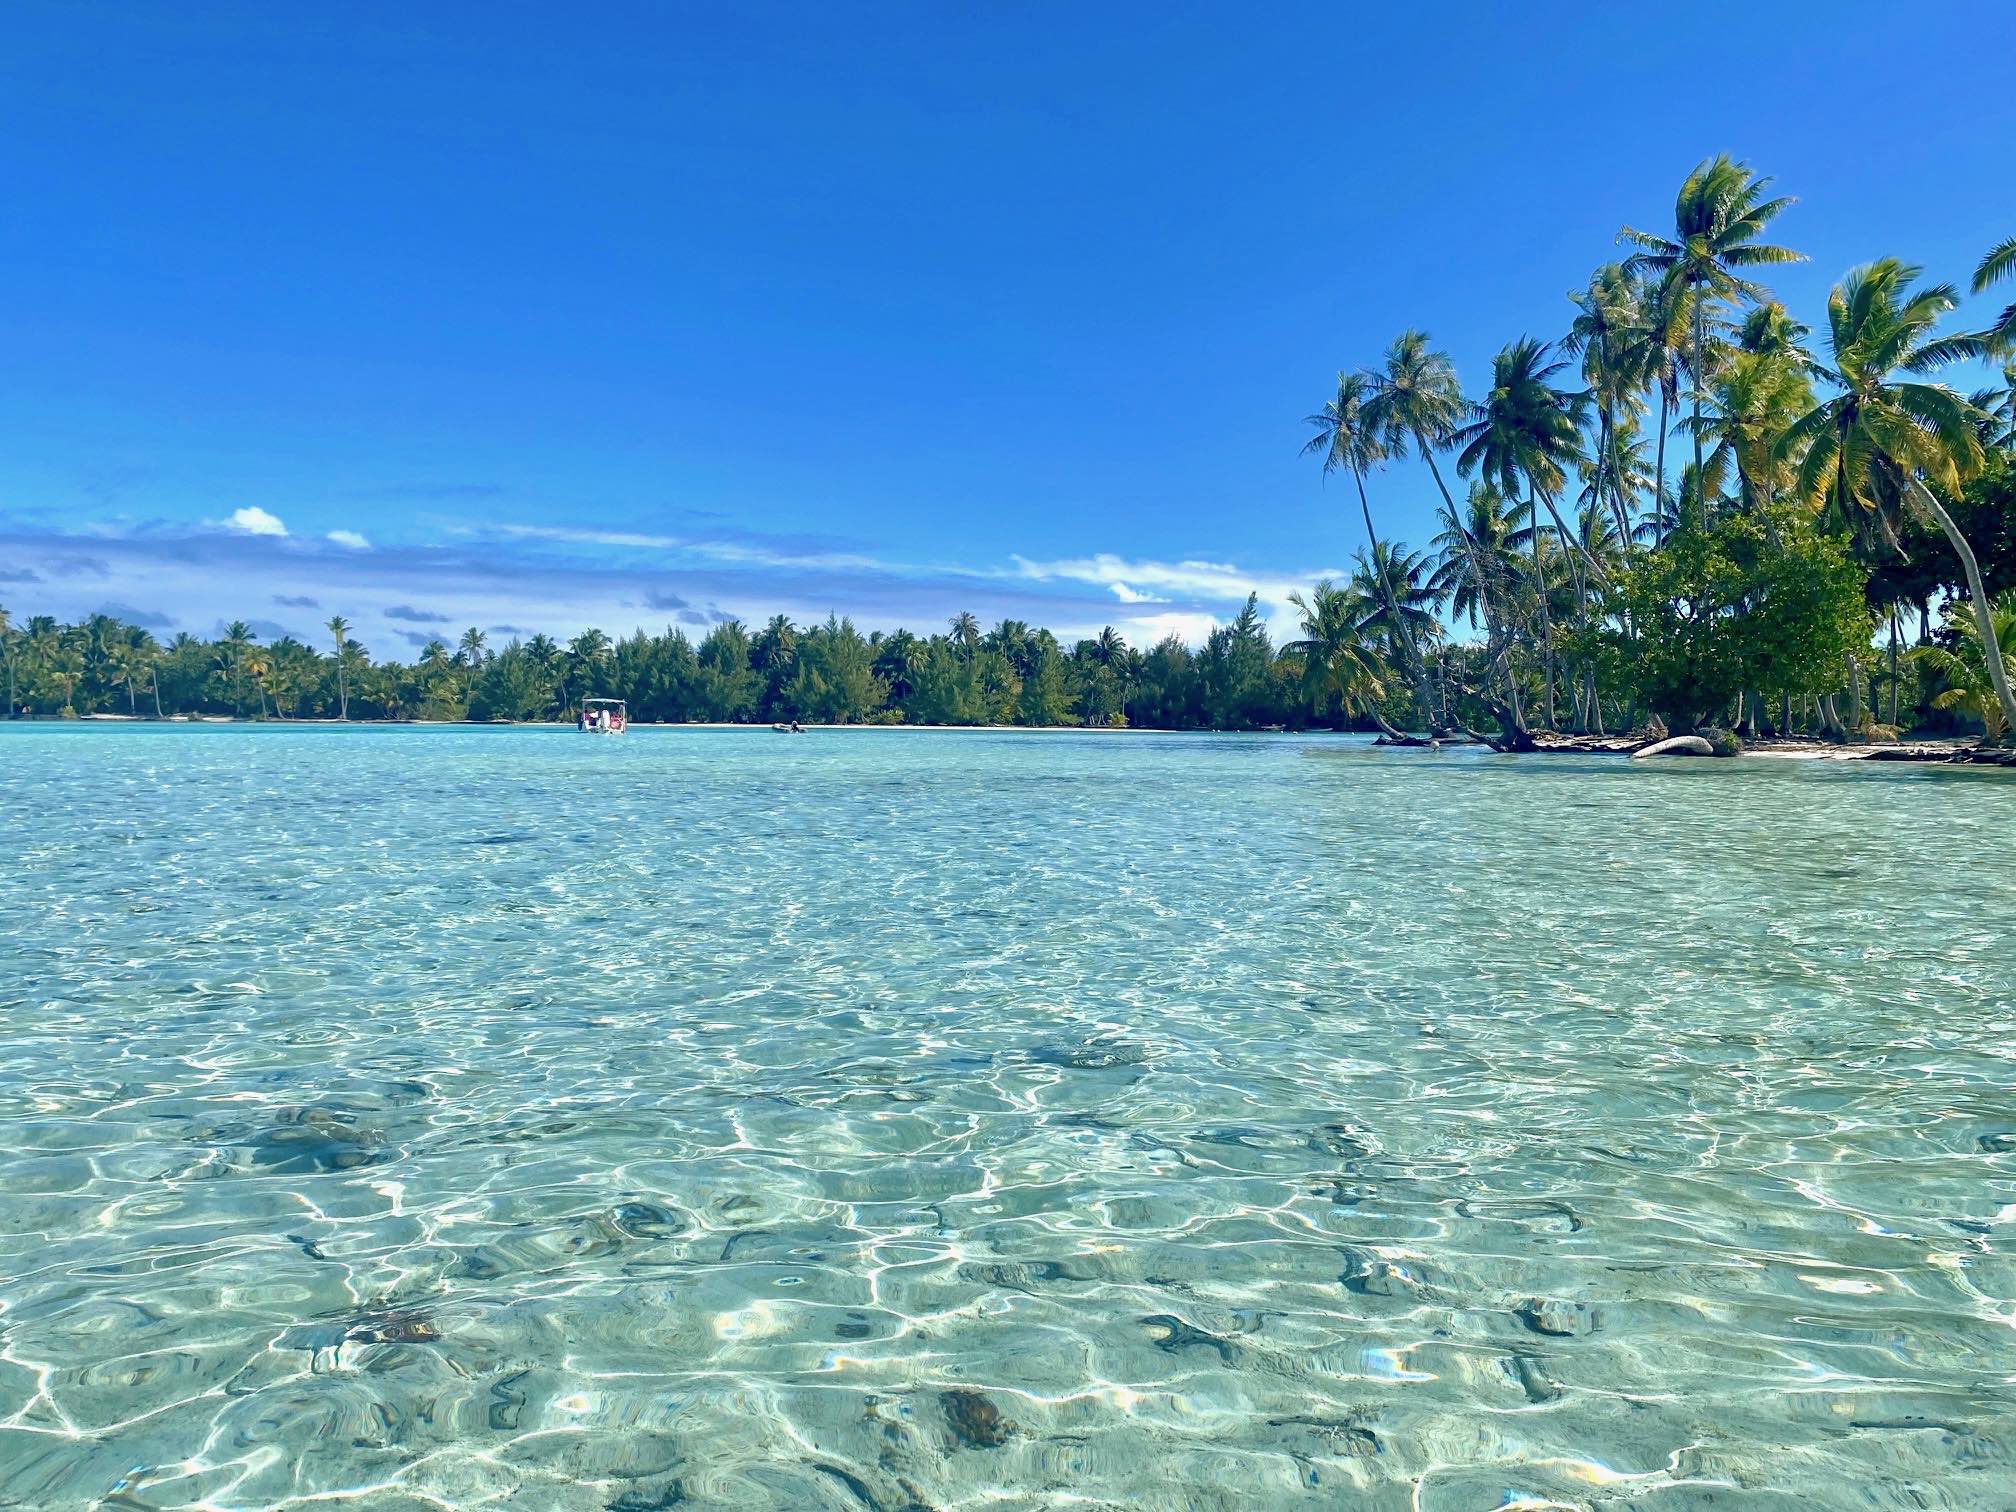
pixel 408 1119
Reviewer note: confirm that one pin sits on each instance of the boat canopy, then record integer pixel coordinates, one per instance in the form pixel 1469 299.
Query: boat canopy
pixel 603 703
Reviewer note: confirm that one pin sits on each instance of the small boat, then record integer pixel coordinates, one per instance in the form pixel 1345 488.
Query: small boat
pixel 793 728
pixel 603 716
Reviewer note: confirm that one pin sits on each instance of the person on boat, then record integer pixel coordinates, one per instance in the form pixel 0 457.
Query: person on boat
pixel 797 728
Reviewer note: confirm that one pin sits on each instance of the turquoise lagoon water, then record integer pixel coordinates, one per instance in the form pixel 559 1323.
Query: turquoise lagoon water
pixel 422 1118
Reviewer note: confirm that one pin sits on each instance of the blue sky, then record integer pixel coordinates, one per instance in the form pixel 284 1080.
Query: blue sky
pixel 644 314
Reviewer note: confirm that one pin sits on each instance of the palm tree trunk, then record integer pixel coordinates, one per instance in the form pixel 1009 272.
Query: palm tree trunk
pixel 1894 679
pixel 1659 486
pixel 1578 552
pixel 1977 593
pixel 1416 672
pixel 154 684
pixel 1546 614
pixel 1694 361
pixel 1483 578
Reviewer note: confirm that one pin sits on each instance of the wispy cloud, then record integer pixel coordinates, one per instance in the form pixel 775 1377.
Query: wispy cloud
pixel 753 552
pixel 296 601
pixel 351 539
pixel 415 616
pixel 1128 595
pixel 19 575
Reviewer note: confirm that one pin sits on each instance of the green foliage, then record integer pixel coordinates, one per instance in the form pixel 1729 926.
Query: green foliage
pixel 1959 663
pixel 1745 603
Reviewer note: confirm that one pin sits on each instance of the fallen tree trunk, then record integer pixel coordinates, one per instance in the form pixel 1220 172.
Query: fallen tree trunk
pixel 1679 745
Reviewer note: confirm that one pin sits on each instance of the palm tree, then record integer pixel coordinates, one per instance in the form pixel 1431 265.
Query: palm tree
pixel 1996 266
pixel 1601 334
pixel 128 657
pixel 1526 431
pixel 1400 584
pixel 339 630
pixel 1474 567
pixel 469 653
pixel 965 632
pixel 899 658
pixel 1657 333
pixel 234 648
pixel 1418 402
pixel 1348 436
pixel 1999 405
pixel 258 665
pixel 1014 642
pixel 1757 395
pixel 1718 217
pixel 1884 439
pixel 57 653
pixel 1970 686
pixel 1338 660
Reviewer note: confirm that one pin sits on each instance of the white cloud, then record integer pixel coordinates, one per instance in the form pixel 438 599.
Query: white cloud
pixel 1189 581
pixel 1191 629
pixel 1214 581
pixel 351 539
pixel 1128 595
pixel 255 521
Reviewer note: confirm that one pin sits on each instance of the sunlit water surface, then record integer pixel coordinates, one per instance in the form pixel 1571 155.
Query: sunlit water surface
pixel 399 1119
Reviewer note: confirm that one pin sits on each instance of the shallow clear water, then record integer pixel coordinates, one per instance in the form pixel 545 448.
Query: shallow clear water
pixel 420 1118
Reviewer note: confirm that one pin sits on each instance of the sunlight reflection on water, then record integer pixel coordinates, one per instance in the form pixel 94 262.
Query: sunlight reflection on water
pixel 403 1118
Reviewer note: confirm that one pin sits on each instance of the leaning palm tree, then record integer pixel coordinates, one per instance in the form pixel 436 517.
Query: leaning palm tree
pixel 1347 437
pixel 1718 217
pixel 1526 430
pixel 1970 686
pixel 1887 438
pixel 1417 401
pixel 339 630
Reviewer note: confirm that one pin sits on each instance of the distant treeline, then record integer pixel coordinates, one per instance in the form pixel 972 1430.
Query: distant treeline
pixel 825 673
